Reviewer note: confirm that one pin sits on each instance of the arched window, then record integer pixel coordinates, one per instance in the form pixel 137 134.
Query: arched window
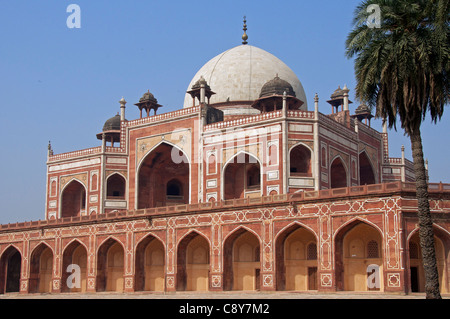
pixel 115 187
pixel 338 174
pixel 73 199
pixel 366 174
pixel 300 161
pixel 253 177
pixel 242 177
pixel 174 188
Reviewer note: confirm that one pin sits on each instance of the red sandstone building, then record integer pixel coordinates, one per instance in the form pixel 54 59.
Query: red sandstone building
pixel 244 188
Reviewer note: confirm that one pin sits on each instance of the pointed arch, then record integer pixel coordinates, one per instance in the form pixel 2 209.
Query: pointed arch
pixel 351 242
pixel 10 269
pixel 41 269
pixel 110 265
pixel 366 170
pixel 75 253
pixel 73 199
pixel 338 173
pixel 294 270
pixel 157 168
pixel 116 186
pixel 149 264
pixel 300 160
pixel 242 176
pixel 416 278
pixel 193 260
pixel 242 260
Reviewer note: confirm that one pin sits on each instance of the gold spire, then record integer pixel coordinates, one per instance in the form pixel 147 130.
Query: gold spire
pixel 245 36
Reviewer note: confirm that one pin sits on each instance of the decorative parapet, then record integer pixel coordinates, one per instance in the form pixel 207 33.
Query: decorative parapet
pixel 233 204
pixel 80 153
pixel 164 116
pixel 259 118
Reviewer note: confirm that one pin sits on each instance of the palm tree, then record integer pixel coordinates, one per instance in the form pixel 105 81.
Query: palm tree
pixel 402 68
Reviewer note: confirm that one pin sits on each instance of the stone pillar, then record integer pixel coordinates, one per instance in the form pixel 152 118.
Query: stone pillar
pixel 316 144
pixel 403 165
pixel 346 102
pixel 122 109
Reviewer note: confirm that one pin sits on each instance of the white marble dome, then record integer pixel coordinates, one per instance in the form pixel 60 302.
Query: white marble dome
pixel 239 74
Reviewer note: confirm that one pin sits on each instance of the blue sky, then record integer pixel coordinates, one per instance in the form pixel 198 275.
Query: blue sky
pixel 61 84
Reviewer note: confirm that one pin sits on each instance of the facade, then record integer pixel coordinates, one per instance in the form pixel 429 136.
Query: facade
pixel 244 188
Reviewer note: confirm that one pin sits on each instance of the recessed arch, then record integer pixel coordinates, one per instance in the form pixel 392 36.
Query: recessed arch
pixel 75 253
pixel 41 269
pixel 150 264
pixel 416 278
pixel 73 199
pixel 300 160
pixel 157 168
pixel 366 170
pixel 116 186
pixel 110 265
pixel 10 270
pixel 242 260
pixel 296 270
pixel 338 173
pixel 193 260
pixel 242 176
pixel 352 242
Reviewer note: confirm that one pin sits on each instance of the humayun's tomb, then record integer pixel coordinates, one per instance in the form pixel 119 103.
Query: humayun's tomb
pixel 247 187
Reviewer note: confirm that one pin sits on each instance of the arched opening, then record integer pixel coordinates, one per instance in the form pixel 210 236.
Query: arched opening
pixel 41 269
pixel 296 259
pixel 242 261
pixel 300 161
pixel 10 266
pixel 338 174
pixel 73 200
pixel 164 165
pixel 150 265
pixel 193 263
pixel 358 246
pixel 416 271
pixel 74 254
pixel 115 187
pixel 242 177
pixel 174 189
pixel 366 174
pixel 110 266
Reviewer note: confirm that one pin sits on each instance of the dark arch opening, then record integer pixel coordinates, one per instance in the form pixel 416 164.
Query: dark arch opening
pixel 338 174
pixel 300 161
pixel 366 174
pixel 73 201
pixel 157 170
pixel 242 177
pixel 10 267
pixel 115 188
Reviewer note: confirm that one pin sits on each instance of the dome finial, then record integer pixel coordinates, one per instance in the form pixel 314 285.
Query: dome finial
pixel 245 36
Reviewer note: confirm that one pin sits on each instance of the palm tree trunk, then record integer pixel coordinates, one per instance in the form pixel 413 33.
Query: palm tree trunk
pixel 426 233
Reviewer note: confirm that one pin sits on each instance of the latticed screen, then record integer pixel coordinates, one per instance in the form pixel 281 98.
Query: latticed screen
pixel 312 252
pixel 413 251
pixel 372 249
